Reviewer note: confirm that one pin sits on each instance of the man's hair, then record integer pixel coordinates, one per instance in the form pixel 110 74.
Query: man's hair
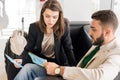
pixel 107 18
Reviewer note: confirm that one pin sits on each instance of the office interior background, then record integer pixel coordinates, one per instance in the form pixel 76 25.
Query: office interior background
pixel 75 10
pixel 12 12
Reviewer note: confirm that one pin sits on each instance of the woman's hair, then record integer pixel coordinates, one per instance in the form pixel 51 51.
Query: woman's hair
pixel 59 27
pixel 107 18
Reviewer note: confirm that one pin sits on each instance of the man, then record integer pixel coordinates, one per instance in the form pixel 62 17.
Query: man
pixel 103 64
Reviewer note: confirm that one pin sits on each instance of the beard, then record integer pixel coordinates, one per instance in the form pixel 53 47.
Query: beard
pixel 99 41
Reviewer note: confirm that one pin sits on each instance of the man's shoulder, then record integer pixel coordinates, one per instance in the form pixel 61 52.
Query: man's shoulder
pixel 115 47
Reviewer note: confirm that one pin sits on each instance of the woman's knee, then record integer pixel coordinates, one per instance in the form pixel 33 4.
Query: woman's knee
pixel 33 67
pixel 28 67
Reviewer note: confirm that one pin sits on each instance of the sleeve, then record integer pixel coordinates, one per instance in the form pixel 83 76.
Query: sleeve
pixel 32 36
pixel 106 71
pixel 67 44
pixel 30 43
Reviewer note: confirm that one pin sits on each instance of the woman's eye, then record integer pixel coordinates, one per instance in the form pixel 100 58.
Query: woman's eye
pixel 54 17
pixel 47 16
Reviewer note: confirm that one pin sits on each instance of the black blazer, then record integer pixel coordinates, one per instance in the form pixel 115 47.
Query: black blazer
pixel 63 47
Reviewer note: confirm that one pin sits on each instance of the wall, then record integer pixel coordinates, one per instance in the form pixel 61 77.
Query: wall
pixel 2 64
pixel 78 10
pixel 105 4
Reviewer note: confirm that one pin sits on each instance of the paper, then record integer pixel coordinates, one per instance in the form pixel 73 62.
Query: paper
pixel 36 59
pixel 13 61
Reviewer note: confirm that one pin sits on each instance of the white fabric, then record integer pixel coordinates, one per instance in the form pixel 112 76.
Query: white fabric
pixel 105 65
pixel 17 42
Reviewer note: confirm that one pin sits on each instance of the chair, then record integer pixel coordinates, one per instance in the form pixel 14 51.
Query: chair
pixel 117 77
pixel 49 78
pixel 11 71
pixel 80 39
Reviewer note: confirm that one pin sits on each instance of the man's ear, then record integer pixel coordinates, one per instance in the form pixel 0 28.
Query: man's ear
pixel 108 32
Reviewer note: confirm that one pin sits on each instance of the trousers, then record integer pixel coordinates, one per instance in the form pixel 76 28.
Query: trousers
pixel 30 72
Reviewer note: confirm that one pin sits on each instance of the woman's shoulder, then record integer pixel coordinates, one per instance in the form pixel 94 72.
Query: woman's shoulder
pixel 34 28
pixel 66 20
pixel 67 24
pixel 34 25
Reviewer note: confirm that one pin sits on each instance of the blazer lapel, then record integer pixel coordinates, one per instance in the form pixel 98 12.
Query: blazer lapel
pixel 97 59
pixel 100 56
pixel 78 65
pixel 93 58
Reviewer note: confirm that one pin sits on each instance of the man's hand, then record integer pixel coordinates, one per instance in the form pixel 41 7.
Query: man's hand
pixel 50 67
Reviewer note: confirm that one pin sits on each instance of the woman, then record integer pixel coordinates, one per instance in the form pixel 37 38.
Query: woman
pixel 49 38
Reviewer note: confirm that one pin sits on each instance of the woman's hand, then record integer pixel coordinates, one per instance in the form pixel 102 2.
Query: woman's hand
pixel 19 61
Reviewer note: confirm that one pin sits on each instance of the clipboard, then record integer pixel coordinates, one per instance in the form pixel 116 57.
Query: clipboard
pixel 13 61
pixel 37 60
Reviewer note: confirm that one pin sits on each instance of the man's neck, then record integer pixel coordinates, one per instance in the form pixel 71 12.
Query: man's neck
pixel 108 40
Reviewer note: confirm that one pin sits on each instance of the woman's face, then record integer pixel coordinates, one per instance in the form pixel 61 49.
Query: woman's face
pixel 50 17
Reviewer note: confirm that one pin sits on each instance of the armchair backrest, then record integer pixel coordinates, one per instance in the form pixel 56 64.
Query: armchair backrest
pixel 80 38
pixel 117 77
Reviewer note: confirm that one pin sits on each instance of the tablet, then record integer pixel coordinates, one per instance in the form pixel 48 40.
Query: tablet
pixel 37 60
pixel 13 61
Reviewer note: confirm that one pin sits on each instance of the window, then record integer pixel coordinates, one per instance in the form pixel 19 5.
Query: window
pixel 11 15
pixel 116 8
